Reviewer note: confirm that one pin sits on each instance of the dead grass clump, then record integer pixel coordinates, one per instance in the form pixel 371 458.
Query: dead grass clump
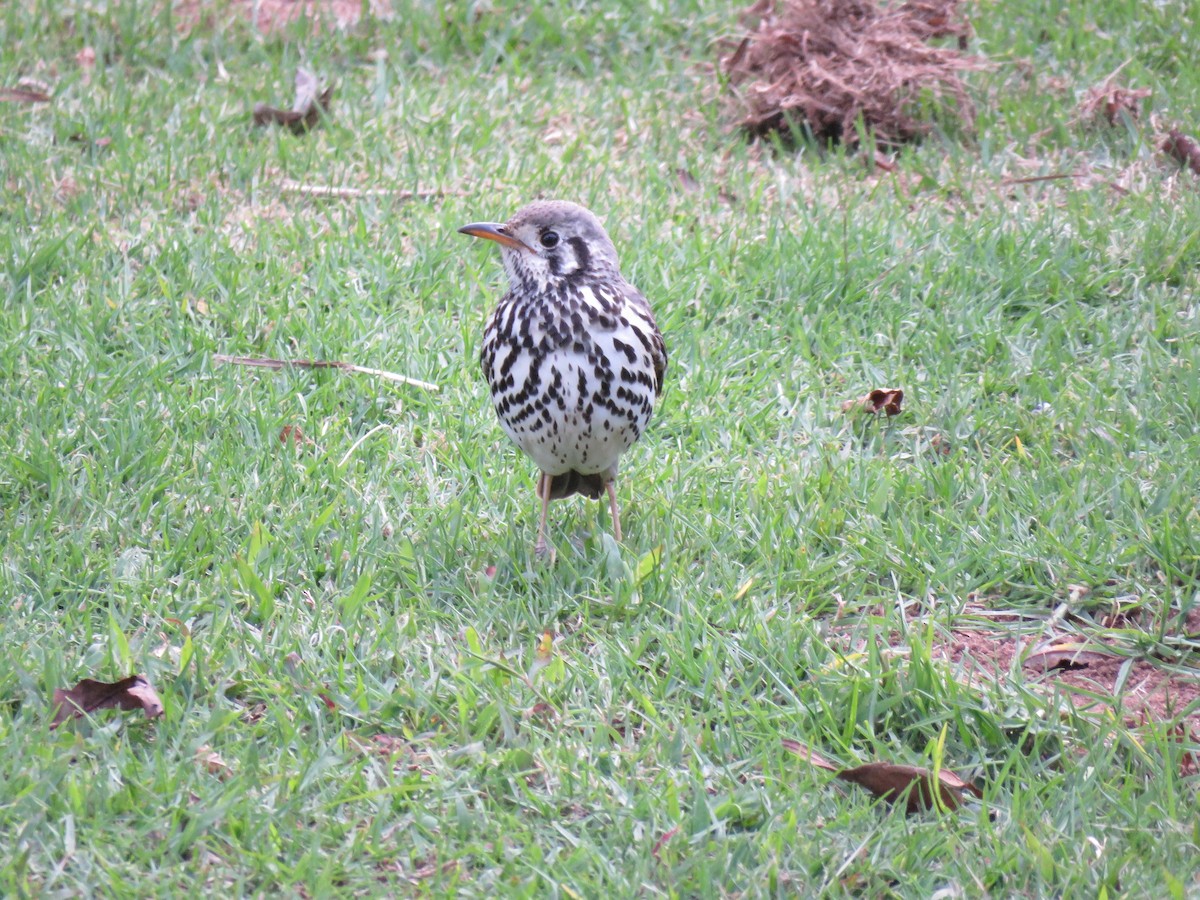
pixel 1111 102
pixel 824 65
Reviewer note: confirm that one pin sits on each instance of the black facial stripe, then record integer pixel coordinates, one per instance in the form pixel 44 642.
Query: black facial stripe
pixel 583 259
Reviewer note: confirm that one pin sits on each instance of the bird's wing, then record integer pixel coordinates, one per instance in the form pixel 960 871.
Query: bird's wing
pixel 658 348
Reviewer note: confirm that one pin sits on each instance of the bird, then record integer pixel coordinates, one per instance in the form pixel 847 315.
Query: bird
pixel 572 354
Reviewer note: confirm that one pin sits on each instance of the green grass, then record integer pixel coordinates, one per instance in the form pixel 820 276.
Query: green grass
pixel 813 565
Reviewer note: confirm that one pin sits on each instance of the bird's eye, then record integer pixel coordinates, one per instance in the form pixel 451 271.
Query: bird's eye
pixel 550 239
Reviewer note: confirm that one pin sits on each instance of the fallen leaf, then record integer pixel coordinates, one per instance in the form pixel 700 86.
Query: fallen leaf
pixel 1067 655
pixel 542 710
pixel 308 107
pixel 212 763
pixel 1183 149
pixel 887 400
pixel 88 696
pixel 293 434
pixel 893 781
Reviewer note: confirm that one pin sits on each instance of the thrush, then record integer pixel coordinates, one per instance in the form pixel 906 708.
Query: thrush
pixel 572 354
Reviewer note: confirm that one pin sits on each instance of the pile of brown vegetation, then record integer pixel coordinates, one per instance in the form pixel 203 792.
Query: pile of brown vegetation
pixel 825 65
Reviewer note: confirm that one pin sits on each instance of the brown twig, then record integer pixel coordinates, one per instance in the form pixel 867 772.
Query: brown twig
pixel 23 95
pixel 268 363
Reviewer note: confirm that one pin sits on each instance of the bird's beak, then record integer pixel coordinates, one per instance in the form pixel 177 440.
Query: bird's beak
pixel 490 231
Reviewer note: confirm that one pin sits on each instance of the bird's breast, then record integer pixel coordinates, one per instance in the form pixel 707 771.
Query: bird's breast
pixel 573 383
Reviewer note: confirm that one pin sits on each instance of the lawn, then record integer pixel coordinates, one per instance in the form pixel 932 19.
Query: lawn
pixel 369 684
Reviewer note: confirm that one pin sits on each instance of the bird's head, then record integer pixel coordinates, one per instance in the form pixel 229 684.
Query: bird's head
pixel 549 243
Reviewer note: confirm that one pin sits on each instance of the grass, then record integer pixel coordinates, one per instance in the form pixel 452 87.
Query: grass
pixel 788 572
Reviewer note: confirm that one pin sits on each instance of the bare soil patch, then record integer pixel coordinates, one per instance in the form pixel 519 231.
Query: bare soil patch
pixel 1151 692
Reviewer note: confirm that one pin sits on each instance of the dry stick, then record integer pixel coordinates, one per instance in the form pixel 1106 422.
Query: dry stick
pixel 288 186
pixel 1037 179
pixel 266 363
pixel 23 95
pixel 1034 179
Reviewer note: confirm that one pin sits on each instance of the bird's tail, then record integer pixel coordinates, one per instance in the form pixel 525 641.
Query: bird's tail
pixel 568 483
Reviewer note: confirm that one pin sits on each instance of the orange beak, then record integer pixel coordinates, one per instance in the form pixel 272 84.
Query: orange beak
pixel 492 232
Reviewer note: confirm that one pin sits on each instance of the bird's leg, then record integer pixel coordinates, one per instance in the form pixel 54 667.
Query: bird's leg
pixel 612 508
pixel 541 549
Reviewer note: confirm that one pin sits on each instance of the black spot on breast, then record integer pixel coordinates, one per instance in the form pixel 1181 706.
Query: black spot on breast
pixel 625 348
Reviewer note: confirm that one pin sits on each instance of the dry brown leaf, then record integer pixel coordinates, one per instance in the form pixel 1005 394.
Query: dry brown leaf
pixel 893 781
pixel 212 763
pixel 887 400
pixel 295 436
pixel 1183 149
pixel 1066 655
pixel 89 696
pixel 310 104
